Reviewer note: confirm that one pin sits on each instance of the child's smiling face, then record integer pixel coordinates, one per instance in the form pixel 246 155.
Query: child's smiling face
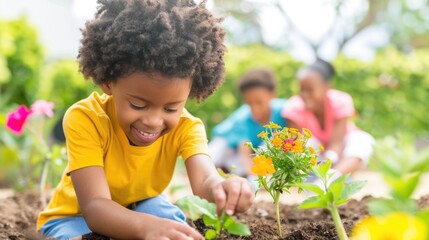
pixel 313 89
pixel 148 105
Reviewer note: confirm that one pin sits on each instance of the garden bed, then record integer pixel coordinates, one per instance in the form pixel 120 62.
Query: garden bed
pixel 19 213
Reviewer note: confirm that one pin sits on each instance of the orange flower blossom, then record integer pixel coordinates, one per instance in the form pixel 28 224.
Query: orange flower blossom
pixel 262 166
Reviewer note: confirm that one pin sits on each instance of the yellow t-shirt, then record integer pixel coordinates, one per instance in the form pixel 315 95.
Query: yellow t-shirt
pixel 94 138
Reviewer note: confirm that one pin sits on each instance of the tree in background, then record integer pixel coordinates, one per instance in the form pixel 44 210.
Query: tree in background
pixel 403 21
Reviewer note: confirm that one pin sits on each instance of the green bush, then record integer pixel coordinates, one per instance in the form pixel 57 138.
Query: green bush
pixel 21 58
pixel 389 92
pixel 62 83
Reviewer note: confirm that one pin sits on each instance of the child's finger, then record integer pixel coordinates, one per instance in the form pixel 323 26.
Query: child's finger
pixel 246 197
pixel 186 232
pixel 233 194
pixel 220 198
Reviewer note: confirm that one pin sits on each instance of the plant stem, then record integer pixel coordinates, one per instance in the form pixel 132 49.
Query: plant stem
pixel 342 235
pixel 43 179
pixel 276 202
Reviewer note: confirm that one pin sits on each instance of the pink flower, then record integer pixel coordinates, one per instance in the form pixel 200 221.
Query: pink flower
pixel 43 107
pixel 16 120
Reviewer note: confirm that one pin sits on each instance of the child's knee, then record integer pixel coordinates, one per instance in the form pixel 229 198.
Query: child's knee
pixel 159 206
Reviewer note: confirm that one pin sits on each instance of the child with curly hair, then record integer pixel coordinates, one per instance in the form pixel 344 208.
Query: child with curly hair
pixel 148 57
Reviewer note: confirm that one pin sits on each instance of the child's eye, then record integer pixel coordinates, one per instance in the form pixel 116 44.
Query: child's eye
pixel 171 110
pixel 135 106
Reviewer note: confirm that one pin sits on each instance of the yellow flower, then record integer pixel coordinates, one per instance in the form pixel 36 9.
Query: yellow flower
pixel 262 166
pixel 313 162
pixel 395 226
pixel 298 148
pixel 280 135
pixel 263 134
pixel 321 147
pixel 294 131
pixel 274 126
pixel 307 132
pixel 277 142
pixel 311 149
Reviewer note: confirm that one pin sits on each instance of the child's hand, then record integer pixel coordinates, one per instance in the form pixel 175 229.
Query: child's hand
pixel 233 195
pixel 162 228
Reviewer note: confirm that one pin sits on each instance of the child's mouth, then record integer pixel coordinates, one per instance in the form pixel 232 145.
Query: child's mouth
pixel 146 137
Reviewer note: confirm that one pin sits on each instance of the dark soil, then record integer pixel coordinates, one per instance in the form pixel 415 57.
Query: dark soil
pixel 18 216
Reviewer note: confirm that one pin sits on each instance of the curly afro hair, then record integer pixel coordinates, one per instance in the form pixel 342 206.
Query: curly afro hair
pixel 178 38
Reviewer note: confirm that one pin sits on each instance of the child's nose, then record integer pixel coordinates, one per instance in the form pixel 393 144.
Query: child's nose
pixel 153 121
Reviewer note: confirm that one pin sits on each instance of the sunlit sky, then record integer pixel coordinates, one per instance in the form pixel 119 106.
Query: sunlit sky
pixel 59 23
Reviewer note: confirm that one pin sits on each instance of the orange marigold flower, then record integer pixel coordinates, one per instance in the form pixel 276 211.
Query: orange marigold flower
pixel 288 145
pixel 298 148
pixel 263 134
pixel 294 131
pixel 274 126
pixel 307 132
pixel 311 149
pixel 313 162
pixel 277 142
pixel 262 166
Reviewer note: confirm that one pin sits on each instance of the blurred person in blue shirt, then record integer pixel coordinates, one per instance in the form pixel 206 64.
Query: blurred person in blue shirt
pixel 258 90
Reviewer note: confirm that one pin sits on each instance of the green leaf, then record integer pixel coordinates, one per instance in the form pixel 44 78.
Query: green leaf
pixel 352 188
pixel 336 187
pixel 311 187
pixel 210 234
pixel 404 187
pixel 324 168
pixel 236 228
pixel 227 221
pixel 313 202
pixel 194 207
pixel 208 221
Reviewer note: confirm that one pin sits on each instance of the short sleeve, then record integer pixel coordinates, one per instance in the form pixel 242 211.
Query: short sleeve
pixel 293 110
pixel 83 139
pixel 342 104
pixel 193 138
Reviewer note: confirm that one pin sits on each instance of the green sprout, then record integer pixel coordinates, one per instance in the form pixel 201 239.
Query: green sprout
pixel 402 167
pixel 330 196
pixel 196 208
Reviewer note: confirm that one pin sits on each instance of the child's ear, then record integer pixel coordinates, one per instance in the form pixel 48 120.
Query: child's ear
pixel 107 88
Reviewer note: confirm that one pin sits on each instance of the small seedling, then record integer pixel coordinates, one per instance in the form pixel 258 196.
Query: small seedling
pixel 330 196
pixel 196 208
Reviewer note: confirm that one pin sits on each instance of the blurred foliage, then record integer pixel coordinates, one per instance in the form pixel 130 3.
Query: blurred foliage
pixel 62 83
pixel 21 59
pixel 389 92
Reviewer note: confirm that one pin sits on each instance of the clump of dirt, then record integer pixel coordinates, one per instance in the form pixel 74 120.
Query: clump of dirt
pixel 18 216
pixel 19 213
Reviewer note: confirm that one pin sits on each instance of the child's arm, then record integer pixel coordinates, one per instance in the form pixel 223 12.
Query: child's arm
pixel 108 218
pixel 232 194
pixel 338 134
pixel 244 154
